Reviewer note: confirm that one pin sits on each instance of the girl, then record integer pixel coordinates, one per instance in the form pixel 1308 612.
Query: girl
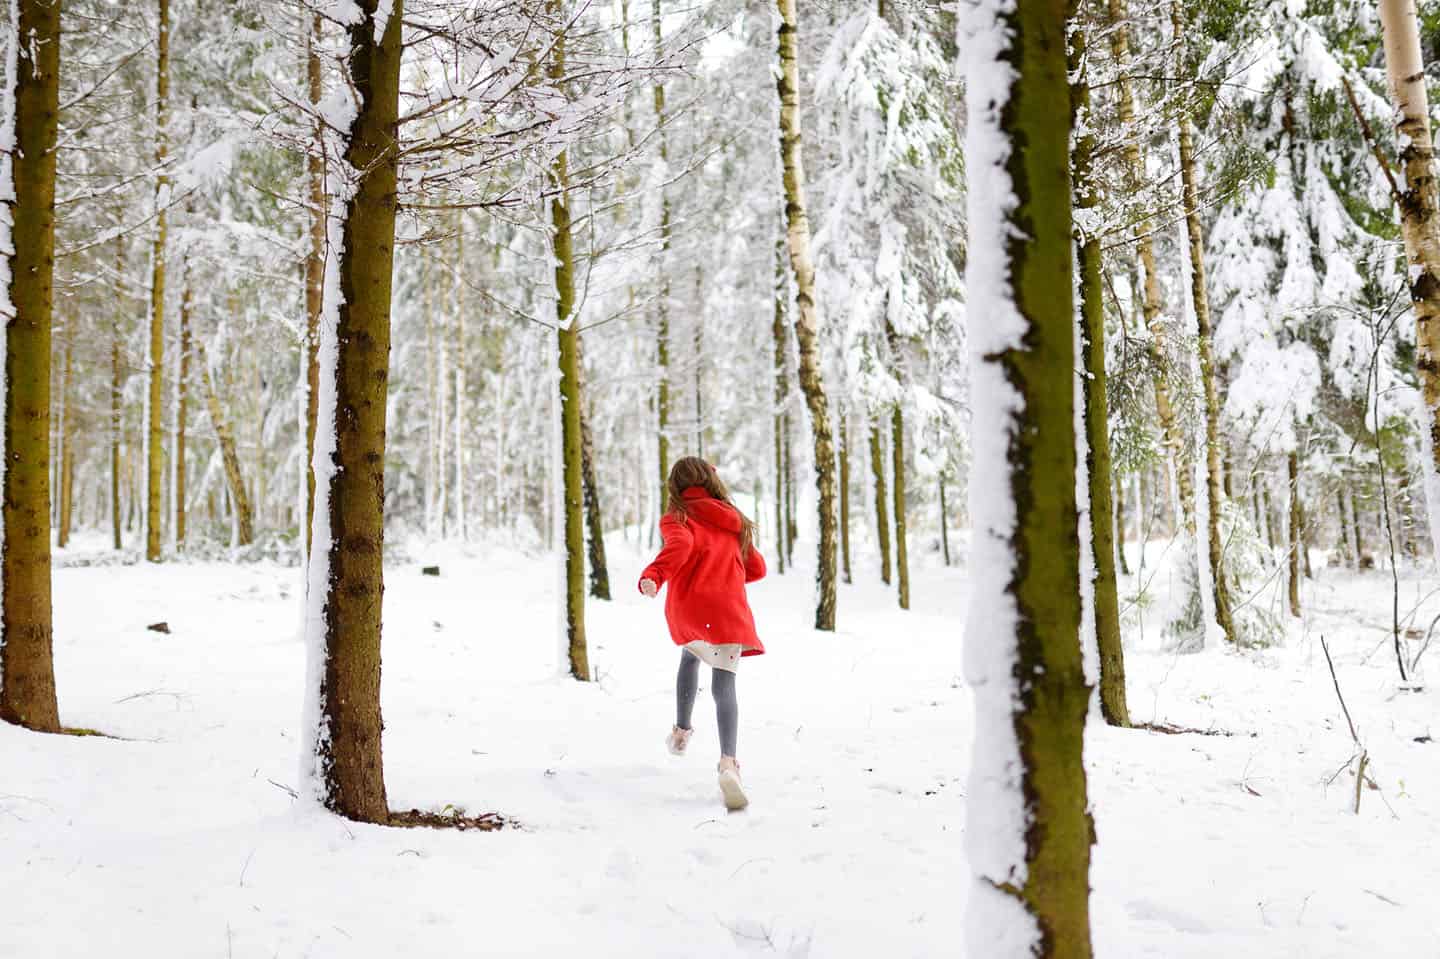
pixel 707 558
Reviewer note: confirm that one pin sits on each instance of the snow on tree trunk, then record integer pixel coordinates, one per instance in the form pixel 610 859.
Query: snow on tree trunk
pixel 314 270
pixel 342 764
pixel 30 110
pixel 807 320
pixel 1028 830
pixel 1420 225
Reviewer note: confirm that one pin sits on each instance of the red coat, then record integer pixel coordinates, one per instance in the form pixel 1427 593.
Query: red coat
pixel 701 561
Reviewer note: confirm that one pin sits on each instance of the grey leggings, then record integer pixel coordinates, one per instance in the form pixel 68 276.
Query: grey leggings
pixel 722 687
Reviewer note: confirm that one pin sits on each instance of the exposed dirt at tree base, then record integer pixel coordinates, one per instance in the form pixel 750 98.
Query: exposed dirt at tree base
pixel 417 818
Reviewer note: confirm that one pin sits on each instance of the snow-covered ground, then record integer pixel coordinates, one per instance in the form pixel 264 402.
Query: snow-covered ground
pixel 181 840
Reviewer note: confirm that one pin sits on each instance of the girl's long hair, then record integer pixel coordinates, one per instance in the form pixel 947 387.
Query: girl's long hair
pixel 693 471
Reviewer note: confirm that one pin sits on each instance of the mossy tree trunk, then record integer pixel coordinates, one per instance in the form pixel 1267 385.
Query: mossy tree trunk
pixel 1104 591
pixel 362 235
pixel 807 321
pixel 155 436
pixel 314 267
pixel 27 668
pixel 882 508
pixel 1204 334
pixel 1419 224
pixel 1023 652
pixel 571 440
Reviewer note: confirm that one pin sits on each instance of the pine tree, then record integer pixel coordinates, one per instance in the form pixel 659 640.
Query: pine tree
pixel 347 574
pixel 1028 829
pixel 27 668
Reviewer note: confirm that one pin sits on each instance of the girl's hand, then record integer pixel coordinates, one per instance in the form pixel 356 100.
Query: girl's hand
pixel 648 587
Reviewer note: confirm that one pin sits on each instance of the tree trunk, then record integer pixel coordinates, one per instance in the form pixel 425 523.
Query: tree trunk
pixel 1357 524
pixel 792 528
pixel 662 299
pixel 155 448
pixel 1296 540
pixel 462 306
pixel 782 392
pixel 1118 486
pixel 1028 826
pixel 67 440
pixel 27 668
pixel 897 451
pixel 1204 339
pixel 182 395
pixel 944 523
pixel 433 436
pixel 807 321
pixel 570 393
pixel 882 509
pixel 1105 595
pixel 699 361
pixel 594 518
pixel 1268 511
pixel 845 496
pixel 1343 546
pixel 117 386
pixel 1419 224
pixel 229 454
pixel 314 269
pixel 1152 307
pixel 344 621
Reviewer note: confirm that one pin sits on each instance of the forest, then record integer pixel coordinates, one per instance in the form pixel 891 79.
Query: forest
pixel 1069 370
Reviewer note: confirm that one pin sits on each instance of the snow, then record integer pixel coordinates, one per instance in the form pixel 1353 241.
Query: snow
pixel 854 747
pixel 996 819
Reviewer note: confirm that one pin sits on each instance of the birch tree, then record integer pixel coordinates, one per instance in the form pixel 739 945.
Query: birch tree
pixel 1419 225
pixel 807 320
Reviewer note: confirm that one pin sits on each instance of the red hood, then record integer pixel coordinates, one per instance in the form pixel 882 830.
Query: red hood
pixel 714 512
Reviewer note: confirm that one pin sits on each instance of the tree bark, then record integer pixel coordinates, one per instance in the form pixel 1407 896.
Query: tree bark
pixel 807 321
pixel 845 496
pixel 117 423
pixel 570 393
pixel 1118 486
pixel 782 392
pixel 1296 540
pixel 27 668
pixel 882 509
pixel 944 523
pixel 594 517
pixel 1419 225
pixel 1200 301
pixel 462 306
pixel 67 439
pixel 897 451
pixel 662 300
pixel 182 395
pixel 314 268
pixel 229 454
pixel 1151 303
pixel 1105 596
pixel 155 448
pixel 1023 655
pixel 362 234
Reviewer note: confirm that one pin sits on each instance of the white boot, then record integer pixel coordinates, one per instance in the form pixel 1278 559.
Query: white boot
pixel 678 740
pixel 730 786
